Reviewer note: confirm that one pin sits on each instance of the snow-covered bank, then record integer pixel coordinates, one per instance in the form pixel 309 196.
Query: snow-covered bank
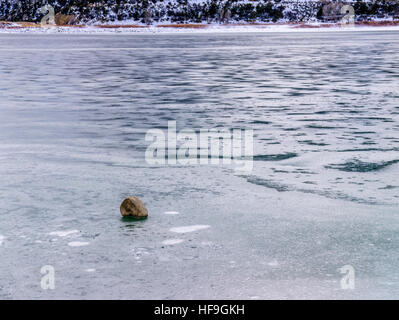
pixel 213 28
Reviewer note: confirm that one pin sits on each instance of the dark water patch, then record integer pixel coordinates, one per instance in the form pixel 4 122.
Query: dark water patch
pixel 323 112
pixel 275 157
pixel 363 132
pixel 319 120
pixel 296 94
pixel 291 129
pixel 389 187
pixel 260 122
pixel 313 143
pixel 309 182
pixel 338 195
pixel 299 114
pixel 303 171
pixel 314 126
pixel 280 171
pixel 355 111
pixel 269 184
pixel 369 142
pixel 361 166
pixel 299 134
pixel 367 149
pixel 324 193
pixel 374 118
pixel 106 119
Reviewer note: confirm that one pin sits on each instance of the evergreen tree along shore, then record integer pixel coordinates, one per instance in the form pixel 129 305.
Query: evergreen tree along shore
pixel 199 11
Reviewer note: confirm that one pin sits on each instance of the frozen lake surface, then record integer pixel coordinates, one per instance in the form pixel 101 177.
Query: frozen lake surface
pixel 323 193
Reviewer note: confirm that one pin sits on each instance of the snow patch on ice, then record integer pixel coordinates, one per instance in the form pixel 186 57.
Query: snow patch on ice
pixel 78 244
pixel 273 263
pixel 64 233
pixel 187 229
pixel 171 242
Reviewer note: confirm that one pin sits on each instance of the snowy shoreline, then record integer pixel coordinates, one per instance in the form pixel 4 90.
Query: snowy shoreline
pixel 15 28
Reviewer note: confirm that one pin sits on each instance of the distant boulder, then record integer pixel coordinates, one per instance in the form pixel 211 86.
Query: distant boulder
pixel 133 207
